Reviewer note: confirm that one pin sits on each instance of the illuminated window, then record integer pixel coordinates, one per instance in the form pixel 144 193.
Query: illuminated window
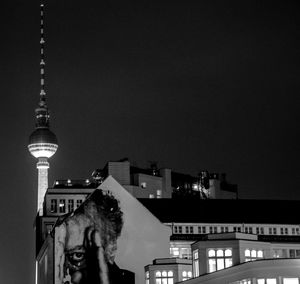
pixel 53 206
pixel 62 206
pixel 244 281
pixel 219 259
pixel 147 277
pixel 158 193
pixel 186 275
pixel 70 205
pixel 252 254
pixel 151 195
pixel 143 185
pixel 174 252
pixel 78 202
pixel 196 263
pixel 267 281
pixel 164 277
pixel 290 280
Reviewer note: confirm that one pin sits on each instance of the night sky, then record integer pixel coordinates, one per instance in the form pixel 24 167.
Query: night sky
pixel 191 84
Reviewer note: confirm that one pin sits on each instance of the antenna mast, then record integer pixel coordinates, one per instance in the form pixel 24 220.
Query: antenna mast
pixel 42 57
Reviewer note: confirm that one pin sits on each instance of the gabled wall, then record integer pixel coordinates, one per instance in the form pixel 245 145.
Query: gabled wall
pixel 143 236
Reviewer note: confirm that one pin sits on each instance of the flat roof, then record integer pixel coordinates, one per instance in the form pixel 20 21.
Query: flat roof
pixel 224 210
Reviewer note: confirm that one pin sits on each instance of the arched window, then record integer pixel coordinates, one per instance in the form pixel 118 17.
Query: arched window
pixel 219 259
pixel 164 277
pixel 186 275
pixel 253 254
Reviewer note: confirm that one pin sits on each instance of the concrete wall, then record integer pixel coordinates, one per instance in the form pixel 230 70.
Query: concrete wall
pixel 143 237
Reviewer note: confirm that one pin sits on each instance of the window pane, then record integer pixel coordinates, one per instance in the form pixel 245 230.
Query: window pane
pixel 158 281
pixel 220 252
pixel 196 268
pixel 158 274
pixel 170 281
pixel 260 253
pixel 228 252
pixel 164 281
pixel 260 281
pixel 164 274
pixel 189 274
pixel 228 262
pixel 290 281
pixel 247 252
pixel 211 253
pixel 211 265
pixel 220 264
pixel 184 273
pixel 170 273
pixel 253 253
pixel 271 281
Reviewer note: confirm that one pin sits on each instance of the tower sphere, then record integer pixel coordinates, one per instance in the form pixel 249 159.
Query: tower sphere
pixel 42 143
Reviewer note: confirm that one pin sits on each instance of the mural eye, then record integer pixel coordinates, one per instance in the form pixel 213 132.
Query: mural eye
pixel 78 256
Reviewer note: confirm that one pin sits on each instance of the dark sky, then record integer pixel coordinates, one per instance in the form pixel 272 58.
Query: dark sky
pixel 192 84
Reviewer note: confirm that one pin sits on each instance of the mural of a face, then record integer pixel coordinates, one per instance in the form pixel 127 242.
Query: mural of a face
pixel 87 242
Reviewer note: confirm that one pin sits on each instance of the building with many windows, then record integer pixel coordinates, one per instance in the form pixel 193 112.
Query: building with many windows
pixel 202 240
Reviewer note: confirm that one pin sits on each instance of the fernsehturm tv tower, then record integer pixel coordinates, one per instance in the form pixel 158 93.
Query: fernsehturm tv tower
pixel 42 142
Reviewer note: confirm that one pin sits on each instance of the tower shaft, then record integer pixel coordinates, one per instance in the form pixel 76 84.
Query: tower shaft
pixel 42 166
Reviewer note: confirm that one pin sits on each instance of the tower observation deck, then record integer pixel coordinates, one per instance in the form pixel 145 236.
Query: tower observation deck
pixel 42 142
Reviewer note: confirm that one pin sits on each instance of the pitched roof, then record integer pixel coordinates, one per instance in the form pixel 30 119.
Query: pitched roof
pixel 224 210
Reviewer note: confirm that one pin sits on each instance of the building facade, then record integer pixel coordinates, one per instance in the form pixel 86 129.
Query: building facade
pixel 192 229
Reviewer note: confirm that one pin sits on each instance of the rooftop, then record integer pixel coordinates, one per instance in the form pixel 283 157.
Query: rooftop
pixel 224 210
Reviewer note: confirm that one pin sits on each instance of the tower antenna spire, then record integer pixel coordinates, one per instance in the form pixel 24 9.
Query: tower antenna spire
pixel 42 57
pixel 42 141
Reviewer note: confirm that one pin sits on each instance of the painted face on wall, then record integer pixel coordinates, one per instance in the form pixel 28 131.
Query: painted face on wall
pixel 89 241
